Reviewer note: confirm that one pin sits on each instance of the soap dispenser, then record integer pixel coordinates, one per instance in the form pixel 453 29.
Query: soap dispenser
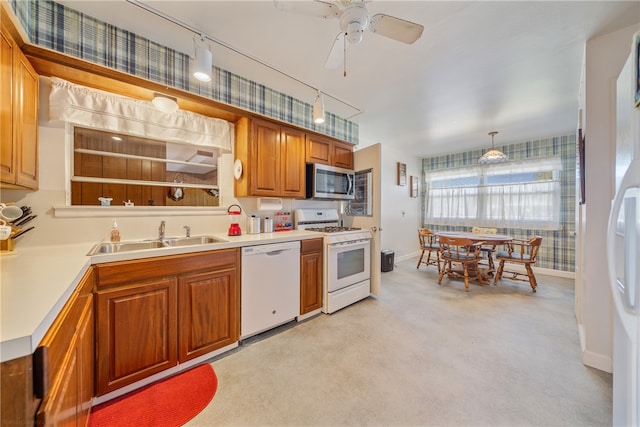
pixel 115 232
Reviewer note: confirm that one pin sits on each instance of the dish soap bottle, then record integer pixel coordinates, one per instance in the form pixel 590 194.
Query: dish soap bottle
pixel 115 232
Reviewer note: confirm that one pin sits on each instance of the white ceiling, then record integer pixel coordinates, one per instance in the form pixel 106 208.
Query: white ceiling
pixel 514 67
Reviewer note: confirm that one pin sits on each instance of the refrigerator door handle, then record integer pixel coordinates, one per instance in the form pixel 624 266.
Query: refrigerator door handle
pixel 629 289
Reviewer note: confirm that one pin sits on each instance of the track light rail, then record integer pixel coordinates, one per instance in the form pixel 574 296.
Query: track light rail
pixel 239 52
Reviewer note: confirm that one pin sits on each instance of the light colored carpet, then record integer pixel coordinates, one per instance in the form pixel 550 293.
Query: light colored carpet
pixel 421 354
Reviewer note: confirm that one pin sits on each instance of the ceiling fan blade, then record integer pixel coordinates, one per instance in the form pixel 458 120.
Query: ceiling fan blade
pixel 395 28
pixel 315 8
pixel 335 57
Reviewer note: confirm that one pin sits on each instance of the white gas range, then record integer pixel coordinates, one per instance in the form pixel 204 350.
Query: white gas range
pixel 347 257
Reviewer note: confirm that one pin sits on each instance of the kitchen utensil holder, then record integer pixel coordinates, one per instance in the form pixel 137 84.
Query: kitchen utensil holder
pixel 7 245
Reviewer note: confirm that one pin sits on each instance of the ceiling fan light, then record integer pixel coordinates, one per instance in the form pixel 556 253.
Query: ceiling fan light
pixel 354 33
pixel 165 103
pixel 318 109
pixel 203 63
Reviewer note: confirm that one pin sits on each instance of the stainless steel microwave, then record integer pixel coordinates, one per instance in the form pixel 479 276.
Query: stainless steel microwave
pixel 329 182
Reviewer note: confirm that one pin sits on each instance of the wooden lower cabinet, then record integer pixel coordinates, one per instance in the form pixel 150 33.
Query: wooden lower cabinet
pixel 136 332
pixel 18 402
pixel 207 311
pixel 64 362
pixel 155 313
pixel 311 267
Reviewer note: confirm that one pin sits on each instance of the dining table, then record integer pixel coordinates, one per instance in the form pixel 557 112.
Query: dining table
pixel 484 239
pixel 489 239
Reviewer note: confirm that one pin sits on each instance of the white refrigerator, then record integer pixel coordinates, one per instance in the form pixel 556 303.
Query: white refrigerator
pixel 623 250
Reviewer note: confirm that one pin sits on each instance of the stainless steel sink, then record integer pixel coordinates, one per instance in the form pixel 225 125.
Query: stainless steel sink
pixel 190 241
pixel 110 248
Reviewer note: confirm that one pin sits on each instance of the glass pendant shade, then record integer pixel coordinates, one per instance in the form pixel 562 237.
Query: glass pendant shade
pixel 493 155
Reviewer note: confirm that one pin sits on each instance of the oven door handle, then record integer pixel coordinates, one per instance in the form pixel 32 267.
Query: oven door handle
pixel 363 242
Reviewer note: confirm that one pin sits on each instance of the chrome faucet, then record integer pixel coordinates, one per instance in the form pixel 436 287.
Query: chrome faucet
pixel 161 230
pixel 187 230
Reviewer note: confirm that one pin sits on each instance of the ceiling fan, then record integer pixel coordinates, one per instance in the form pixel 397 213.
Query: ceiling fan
pixel 354 19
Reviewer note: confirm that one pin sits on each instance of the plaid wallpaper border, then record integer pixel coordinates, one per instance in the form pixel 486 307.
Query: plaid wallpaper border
pixel 57 27
pixel 558 246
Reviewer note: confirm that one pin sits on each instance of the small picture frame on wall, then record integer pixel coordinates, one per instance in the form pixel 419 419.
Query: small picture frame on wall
pixel 581 165
pixel 636 57
pixel 414 186
pixel 402 174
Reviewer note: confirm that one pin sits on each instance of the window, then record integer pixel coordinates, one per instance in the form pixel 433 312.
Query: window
pixel 515 194
pixel 146 172
pixel 362 204
pixel 125 151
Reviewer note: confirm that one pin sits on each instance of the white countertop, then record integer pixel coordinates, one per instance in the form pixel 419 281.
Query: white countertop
pixel 37 282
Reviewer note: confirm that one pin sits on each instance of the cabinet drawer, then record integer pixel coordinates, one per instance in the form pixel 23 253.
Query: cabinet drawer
pixel 311 245
pixel 114 273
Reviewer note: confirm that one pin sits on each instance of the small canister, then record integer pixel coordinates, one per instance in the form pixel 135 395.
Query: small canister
pixel 253 225
pixel 267 225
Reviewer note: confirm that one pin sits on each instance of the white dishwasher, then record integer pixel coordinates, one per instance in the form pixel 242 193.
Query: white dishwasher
pixel 270 286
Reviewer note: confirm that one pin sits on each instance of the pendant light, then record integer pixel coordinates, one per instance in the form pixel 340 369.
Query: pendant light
pixel 203 61
pixel 493 155
pixel 318 109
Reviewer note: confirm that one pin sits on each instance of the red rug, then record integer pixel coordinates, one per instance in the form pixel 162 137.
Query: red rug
pixel 167 403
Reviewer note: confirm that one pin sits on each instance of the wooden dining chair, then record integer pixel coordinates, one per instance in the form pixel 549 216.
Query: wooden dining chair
pixel 487 250
pixel 520 252
pixel 462 251
pixel 429 245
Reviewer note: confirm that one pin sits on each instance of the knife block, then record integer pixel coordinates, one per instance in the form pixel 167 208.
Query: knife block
pixel 7 245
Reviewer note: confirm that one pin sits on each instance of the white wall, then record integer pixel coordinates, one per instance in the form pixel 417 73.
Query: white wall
pixel 400 212
pixel 605 57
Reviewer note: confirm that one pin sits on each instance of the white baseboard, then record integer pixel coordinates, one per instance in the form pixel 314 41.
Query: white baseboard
pixel 598 361
pixel 591 359
pixel 545 271
pixel 407 256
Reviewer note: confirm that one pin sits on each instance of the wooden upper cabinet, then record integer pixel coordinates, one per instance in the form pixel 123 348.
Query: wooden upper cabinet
pixel 7 150
pixel 19 89
pixel 273 159
pixel 292 165
pixel 327 151
pixel 318 149
pixel 265 158
pixel 343 155
pixel 26 125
